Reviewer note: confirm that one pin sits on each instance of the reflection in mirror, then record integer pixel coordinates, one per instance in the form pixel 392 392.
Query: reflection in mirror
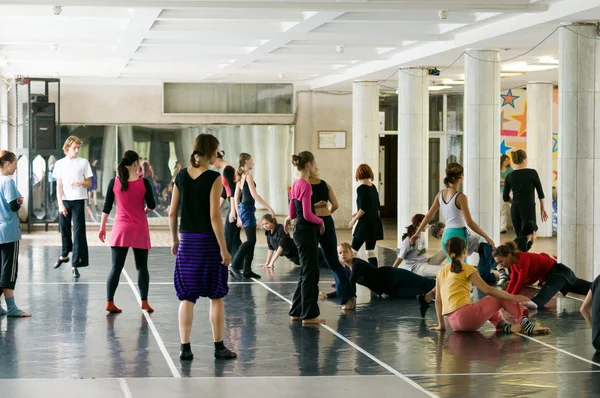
pixel 52 205
pixel 22 176
pixel 39 187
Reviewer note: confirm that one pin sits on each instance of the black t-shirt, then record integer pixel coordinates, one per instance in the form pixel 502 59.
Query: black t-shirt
pixel 378 280
pixel 522 183
pixel 367 200
pixel 195 200
pixel 279 239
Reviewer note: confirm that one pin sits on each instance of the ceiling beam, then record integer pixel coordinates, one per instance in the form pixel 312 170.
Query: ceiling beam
pixel 343 6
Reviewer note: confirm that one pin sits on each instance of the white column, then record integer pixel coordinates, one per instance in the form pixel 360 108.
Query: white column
pixel 482 139
pixel 413 144
pixel 365 130
pixel 3 115
pixel 579 151
pixel 539 144
pixel 109 145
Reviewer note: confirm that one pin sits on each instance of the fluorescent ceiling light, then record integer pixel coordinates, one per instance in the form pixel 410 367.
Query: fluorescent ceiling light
pixel 524 67
pixel 438 88
pixel 510 74
pixel 544 61
pixel 384 50
pixel 451 81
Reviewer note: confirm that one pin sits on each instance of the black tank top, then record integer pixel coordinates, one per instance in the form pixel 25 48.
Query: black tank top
pixel 247 199
pixel 320 192
pixel 195 200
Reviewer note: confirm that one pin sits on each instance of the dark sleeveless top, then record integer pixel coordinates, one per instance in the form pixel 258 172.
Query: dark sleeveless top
pixel 320 191
pixel 195 200
pixel 247 199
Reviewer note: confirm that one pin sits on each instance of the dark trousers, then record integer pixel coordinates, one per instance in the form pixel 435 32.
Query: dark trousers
pixel 77 241
pixel 328 241
pixel 119 254
pixel 369 245
pixel 524 222
pixel 406 284
pixel 304 303
pixel 596 314
pixel 245 253
pixel 555 283
pixel 9 265
pixel 232 237
pixel 486 263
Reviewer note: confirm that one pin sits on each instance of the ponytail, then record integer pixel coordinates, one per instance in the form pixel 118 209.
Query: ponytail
pixel 205 146
pixel 129 158
pixel 518 156
pixel 412 228
pixel 240 172
pixel 455 247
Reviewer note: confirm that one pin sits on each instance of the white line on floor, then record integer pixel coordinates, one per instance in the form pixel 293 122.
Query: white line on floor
pixel 558 349
pixel 358 348
pixel 501 373
pixel 125 388
pixel 159 340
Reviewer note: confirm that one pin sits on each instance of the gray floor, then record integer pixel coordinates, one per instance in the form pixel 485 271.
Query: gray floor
pixel 71 348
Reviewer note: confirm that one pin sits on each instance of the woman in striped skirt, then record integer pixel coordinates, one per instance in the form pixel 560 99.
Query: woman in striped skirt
pixel 200 249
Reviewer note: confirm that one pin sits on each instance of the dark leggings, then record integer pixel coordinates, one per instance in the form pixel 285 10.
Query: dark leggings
pixel 304 303
pixel 486 263
pixel 232 237
pixel 558 283
pixel 369 245
pixel 119 254
pixel 328 241
pixel 524 222
pixel 245 253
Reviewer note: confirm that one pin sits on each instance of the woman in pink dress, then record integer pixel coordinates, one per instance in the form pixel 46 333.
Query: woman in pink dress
pixel 130 228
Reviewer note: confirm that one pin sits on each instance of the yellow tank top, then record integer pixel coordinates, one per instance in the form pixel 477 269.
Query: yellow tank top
pixel 454 288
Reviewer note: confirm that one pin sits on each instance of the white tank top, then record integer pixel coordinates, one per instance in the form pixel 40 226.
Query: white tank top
pixel 453 216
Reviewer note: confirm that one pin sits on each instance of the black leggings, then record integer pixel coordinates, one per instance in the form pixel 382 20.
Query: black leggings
pixel 304 302
pixel 245 253
pixel 555 283
pixel 119 254
pixel 524 222
pixel 232 237
pixel 369 245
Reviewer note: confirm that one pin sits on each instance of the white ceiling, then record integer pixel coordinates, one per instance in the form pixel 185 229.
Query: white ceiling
pixel 271 41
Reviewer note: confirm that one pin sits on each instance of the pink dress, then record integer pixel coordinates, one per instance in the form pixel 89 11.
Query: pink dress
pixel 130 228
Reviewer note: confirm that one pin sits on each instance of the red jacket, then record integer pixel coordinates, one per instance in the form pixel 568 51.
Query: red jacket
pixel 532 267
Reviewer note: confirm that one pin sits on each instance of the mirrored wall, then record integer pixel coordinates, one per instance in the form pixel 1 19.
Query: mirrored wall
pixel 161 148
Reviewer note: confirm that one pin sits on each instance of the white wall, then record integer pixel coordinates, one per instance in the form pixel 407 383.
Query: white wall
pixel 320 111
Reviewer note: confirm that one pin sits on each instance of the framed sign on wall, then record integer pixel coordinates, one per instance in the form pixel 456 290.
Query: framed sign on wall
pixel 332 139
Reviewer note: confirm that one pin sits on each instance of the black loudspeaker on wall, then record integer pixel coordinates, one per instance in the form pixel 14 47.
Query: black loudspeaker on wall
pixel 42 122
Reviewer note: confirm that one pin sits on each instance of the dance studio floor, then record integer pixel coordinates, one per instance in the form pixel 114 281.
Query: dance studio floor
pixel 72 348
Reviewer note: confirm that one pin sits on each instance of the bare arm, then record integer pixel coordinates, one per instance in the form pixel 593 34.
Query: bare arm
pixel 276 256
pixel 333 200
pixel 438 307
pixel 255 194
pixel 475 279
pixel 397 262
pixel 432 211
pixel 236 196
pixel 173 211
pixel 464 205
pixel 586 308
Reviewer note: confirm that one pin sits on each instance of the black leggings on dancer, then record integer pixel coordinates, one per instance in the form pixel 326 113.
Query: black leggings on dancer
pixel 119 254
pixel 557 282
pixel 245 253
pixel 304 303
pixel 370 246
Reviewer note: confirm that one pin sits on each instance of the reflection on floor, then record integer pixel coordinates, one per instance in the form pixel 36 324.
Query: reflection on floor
pixel 383 348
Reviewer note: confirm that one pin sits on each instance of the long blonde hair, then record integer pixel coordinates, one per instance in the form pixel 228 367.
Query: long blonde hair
pixel 242 159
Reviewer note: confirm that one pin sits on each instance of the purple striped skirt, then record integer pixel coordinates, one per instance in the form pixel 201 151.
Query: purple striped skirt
pixel 198 268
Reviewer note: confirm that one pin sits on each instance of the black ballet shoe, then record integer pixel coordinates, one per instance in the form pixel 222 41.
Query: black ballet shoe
pixel 250 275
pixel 225 354
pixel 76 273
pixel 423 305
pixel 60 262
pixel 186 355
pixel 235 272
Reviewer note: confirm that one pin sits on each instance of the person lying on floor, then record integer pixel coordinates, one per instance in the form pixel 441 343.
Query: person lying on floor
pixel 279 242
pixel 414 258
pixel 393 282
pixel 476 244
pixel 529 268
pixel 590 309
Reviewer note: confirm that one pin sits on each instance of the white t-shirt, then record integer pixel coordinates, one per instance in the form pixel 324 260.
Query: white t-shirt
pixel 473 240
pixel 71 171
pixel 412 255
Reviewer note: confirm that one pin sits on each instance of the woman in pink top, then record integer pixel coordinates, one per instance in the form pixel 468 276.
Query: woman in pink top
pixel 130 228
pixel 304 305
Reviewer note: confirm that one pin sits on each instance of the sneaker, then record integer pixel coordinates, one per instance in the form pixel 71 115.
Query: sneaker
pixel 423 305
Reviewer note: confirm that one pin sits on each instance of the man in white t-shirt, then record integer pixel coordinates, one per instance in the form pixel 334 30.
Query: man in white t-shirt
pixel 73 177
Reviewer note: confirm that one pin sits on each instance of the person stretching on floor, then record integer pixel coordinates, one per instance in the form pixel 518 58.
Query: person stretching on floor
pixel 475 244
pixel 414 258
pixel 279 242
pixel 10 234
pixel 393 282
pixel 590 309
pixel 453 286
pixel 528 268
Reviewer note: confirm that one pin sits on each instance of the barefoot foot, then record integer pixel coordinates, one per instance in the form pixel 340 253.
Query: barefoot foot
pixel 313 321
pixel 350 304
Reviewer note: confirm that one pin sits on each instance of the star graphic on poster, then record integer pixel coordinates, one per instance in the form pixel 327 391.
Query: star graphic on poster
pixel 504 148
pixel 522 119
pixel 509 98
pixel 554 145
